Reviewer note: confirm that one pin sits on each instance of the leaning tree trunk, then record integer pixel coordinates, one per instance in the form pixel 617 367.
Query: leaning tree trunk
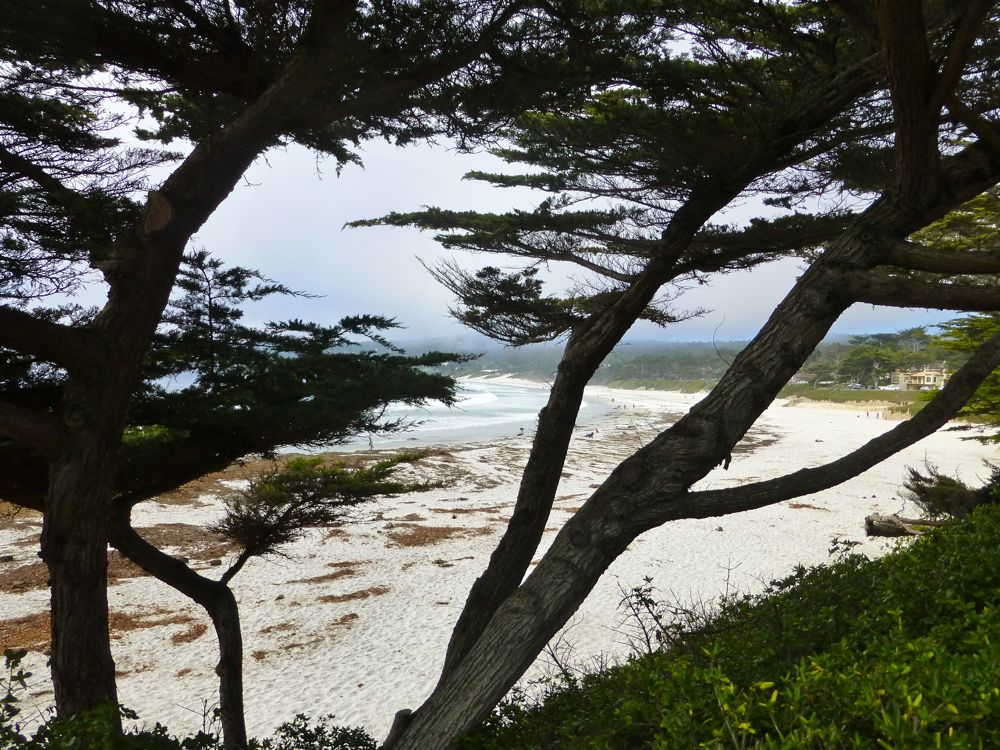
pixel 219 603
pixel 618 512
pixel 629 502
pixel 586 349
pixel 645 491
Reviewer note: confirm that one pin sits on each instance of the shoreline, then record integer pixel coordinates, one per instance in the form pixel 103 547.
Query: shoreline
pixel 793 400
pixel 365 608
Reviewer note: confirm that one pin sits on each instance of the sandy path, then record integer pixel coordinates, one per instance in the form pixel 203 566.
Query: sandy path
pixel 355 621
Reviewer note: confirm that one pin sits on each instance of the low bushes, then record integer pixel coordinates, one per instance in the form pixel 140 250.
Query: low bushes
pixel 844 396
pixel 902 652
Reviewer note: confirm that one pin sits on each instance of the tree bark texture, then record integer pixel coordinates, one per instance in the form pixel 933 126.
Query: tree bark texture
pixel 594 339
pixel 585 350
pixel 74 547
pixel 219 603
pixel 617 513
pixel 652 487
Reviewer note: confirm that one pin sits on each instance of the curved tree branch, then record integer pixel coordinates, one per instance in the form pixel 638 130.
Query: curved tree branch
pixel 206 177
pixel 958 52
pixel 900 291
pixel 219 603
pixel 916 257
pixel 71 348
pixel 435 70
pixel 39 430
pixel 933 416
pixel 983 129
pixel 16 163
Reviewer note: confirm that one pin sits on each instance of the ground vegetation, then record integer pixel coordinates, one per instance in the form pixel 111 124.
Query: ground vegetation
pixel 886 109
pixel 856 654
pixel 207 87
pixel 883 103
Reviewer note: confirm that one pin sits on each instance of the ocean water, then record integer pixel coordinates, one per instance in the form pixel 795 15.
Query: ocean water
pixel 487 409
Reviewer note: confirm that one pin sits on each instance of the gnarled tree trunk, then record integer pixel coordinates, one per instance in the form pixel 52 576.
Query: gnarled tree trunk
pixel 220 605
pixel 75 535
pixel 74 546
pixel 652 487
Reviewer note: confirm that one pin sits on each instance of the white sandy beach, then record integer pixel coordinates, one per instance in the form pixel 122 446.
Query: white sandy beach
pixel 355 621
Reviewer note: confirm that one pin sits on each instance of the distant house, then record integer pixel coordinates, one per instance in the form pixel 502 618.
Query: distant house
pixel 926 379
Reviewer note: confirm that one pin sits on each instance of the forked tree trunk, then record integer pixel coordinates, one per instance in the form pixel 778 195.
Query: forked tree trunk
pixel 614 516
pixel 646 490
pixel 586 349
pixel 219 603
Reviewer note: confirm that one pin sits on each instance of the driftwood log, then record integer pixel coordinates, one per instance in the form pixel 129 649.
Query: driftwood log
pixel 893 525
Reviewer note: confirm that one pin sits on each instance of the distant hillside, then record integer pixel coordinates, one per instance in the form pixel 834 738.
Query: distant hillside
pixel 633 362
pixel 864 361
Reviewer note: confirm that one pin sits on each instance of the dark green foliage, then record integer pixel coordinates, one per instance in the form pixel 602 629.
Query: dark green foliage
pixel 14 683
pixel 713 105
pixel 201 331
pixel 975 227
pixel 938 494
pixel 97 730
pixel 900 652
pixel 962 336
pixel 869 360
pixel 971 228
pixel 214 389
pixel 278 507
pixel 287 382
pixel 211 59
pixel 93 730
pixel 298 734
pixel 55 134
pixel 509 307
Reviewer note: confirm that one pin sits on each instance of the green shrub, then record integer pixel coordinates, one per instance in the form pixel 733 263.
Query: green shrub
pixel 902 652
pixel 298 734
pixel 97 730
pixel 842 396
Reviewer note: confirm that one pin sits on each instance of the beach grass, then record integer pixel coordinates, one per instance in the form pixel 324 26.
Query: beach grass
pixel 903 651
pixel 845 396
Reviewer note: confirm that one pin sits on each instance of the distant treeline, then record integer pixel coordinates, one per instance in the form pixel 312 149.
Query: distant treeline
pixel 641 364
pixel 866 361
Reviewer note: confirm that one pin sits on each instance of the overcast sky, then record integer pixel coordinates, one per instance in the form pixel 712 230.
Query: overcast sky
pixel 286 219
